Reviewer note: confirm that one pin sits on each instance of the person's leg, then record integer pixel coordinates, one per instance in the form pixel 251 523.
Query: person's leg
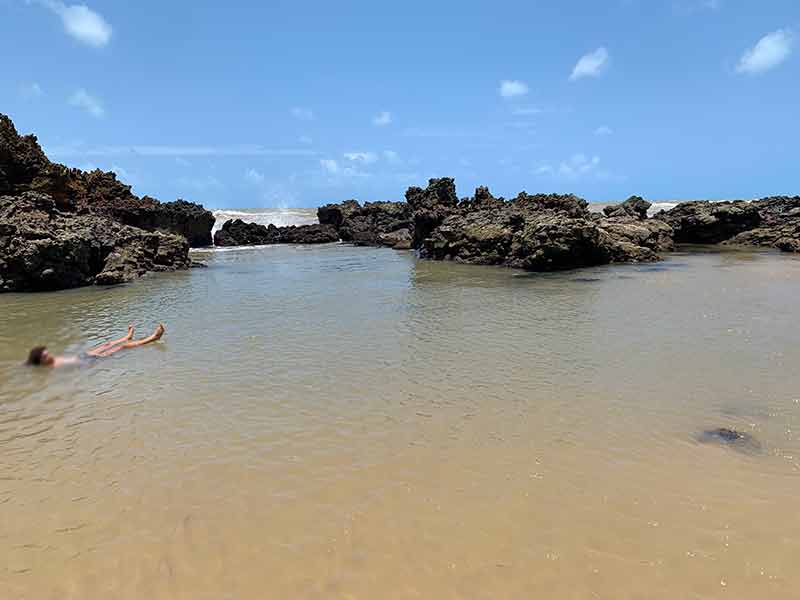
pixel 108 345
pixel 149 339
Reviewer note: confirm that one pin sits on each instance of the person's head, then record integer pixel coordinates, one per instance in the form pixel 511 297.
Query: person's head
pixel 40 355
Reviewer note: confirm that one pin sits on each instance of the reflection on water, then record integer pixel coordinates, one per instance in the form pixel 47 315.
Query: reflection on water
pixel 349 422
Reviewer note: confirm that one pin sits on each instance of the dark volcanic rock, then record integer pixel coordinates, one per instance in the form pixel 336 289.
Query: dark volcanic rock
pixel 25 168
pixel 635 207
pixel 238 233
pixel 399 240
pixel 703 222
pixel 744 442
pixel 779 228
pixel 543 232
pixel 430 206
pixel 364 225
pixel 43 248
pixel 335 214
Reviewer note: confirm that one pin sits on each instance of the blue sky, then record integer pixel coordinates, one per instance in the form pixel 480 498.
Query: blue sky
pixel 286 103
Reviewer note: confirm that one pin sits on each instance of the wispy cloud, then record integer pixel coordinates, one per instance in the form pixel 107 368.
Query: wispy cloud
pixel 302 114
pixel 200 184
pixel 81 23
pixel 85 101
pixel 382 119
pixel 769 52
pixel 329 165
pixel 592 64
pixel 576 167
pixel 254 176
pixel 177 151
pixel 31 90
pixel 526 111
pixel 603 130
pixel 365 158
pixel 512 88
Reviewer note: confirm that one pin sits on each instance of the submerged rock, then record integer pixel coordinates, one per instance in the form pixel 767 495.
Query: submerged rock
pixel 730 437
pixel 238 233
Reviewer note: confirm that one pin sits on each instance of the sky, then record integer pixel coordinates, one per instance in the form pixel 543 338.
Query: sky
pixel 290 103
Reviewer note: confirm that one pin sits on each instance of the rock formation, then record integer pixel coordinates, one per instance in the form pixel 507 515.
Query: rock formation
pixel 238 233
pixel 62 227
pixel 25 168
pixel 373 224
pixel 534 232
pixel 43 248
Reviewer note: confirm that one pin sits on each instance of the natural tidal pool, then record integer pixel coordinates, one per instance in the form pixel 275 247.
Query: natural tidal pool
pixel 339 422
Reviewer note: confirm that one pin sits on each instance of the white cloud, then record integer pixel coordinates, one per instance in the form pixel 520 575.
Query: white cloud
pixel 329 165
pixel 579 165
pixel 31 90
pixel 81 22
pixel 770 51
pixel 511 88
pixel 382 119
pixel 302 114
pixel 524 111
pixel 254 176
pixel 176 151
pixel 591 65
pixel 200 184
pixel 366 158
pixel 84 100
pixel 603 130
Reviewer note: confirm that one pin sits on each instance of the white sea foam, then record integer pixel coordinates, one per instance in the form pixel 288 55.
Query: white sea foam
pixel 280 217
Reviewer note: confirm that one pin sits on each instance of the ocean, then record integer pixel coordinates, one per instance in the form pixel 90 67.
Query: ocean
pixel 344 422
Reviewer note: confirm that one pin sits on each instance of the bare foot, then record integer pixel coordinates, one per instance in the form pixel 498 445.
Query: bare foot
pixel 130 332
pixel 159 331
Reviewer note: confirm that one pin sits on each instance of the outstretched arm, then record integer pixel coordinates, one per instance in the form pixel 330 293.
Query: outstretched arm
pixel 149 339
pixel 102 348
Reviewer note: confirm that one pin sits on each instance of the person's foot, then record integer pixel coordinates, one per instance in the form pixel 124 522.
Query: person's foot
pixel 159 331
pixel 130 332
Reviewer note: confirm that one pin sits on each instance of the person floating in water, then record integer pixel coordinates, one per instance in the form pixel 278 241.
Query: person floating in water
pixel 41 356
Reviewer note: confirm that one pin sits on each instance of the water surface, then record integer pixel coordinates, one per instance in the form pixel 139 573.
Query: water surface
pixel 338 422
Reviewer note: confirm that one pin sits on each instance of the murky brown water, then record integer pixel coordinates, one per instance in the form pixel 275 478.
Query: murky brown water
pixel 337 422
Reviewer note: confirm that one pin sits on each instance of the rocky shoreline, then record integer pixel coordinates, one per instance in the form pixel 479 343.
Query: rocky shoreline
pixel 62 227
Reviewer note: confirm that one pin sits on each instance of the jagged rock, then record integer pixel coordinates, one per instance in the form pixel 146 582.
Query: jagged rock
pixel 363 225
pixel 43 248
pixel 779 228
pixel 238 233
pixel 703 222
pixel 24 167
pixel 335 214
pixel 542 232
pixel 635 207
pixel 430 206
pixel 399 240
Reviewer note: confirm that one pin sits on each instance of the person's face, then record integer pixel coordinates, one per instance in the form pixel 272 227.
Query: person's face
pixel 47 358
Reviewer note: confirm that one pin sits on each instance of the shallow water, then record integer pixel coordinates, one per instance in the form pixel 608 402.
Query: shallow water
pixel 346 422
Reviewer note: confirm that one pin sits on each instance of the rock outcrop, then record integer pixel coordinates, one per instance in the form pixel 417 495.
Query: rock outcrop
pixel 543 232
pixel 770 222
pixel 25 168
pixel 43 248
pixel 703 222
pixel 62 227
pixel 238 233
pixel 373 224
